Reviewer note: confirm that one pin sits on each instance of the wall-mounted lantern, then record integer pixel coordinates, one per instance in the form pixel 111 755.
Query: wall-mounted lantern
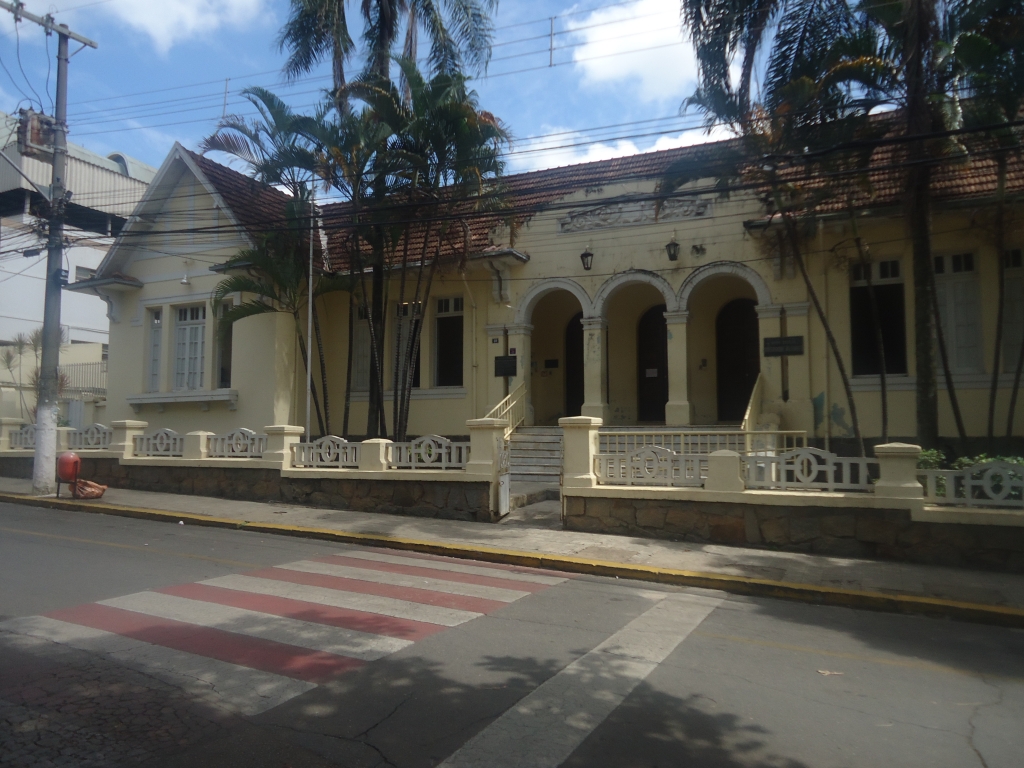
pixel 672 248
pixel 587 258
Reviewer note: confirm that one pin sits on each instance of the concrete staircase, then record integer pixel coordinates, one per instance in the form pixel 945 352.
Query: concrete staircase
pixel 536 455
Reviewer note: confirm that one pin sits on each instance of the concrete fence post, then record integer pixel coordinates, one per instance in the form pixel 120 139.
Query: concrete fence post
pixel 197 445
pixel 7 426
pixel 897 465
pixel 125 432
pixel 373 455
pixel 580 444
pixel 64 438
pixel 486 439
pixel 280 439
pixel 724 472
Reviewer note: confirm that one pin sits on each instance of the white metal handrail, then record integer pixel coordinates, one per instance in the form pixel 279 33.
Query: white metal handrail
pixel 512 408
pixel 330 452
pixel 990 484
pixel 428 452
pixel 25 438
pixel 753 412
pixel 240 444
pixel 95 437
pixel 694 442
pixel 651 465
pixel 163 442
pixel 810 469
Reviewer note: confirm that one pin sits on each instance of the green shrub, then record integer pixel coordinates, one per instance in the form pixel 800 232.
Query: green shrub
pixel 931 459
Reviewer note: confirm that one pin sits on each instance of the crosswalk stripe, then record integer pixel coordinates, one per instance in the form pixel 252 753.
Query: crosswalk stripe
pixel 248 691
pixel 455 566
pixel 365 573
pixel 309 589
pixel 559 714
pixel 257 653
pixel 320 575
pixel 522 569
pixel 431 572
pixel 344 618
pixel 304 634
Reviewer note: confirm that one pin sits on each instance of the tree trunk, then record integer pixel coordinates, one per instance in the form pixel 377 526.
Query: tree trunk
pixel 305 367
pixel 1015 389
pixel 794 240
pixel 940 339
pixel 348 365
pixel 1000 234
pixel 375 318
pixel 323 370
pixel 876 320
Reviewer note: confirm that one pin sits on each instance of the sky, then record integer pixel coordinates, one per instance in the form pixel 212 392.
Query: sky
pixel 621 70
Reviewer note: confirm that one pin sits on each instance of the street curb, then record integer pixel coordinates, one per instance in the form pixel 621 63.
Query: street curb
pixel 980 613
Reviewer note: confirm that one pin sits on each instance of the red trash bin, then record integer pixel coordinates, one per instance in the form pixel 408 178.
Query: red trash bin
pixel 68 466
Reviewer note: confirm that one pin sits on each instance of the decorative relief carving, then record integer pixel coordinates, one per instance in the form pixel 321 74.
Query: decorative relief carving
pixel 628 213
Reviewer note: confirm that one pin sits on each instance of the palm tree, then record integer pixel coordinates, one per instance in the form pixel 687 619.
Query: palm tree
pixel 460 33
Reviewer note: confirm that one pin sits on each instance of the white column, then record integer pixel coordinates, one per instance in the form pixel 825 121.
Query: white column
pixel 7 426
pixel 595 366
pixel 495 348
pixel 373 455
pixel 769 324
pixel 280 439
pixel 579 446
pixel 486 440
pixel 125 432
pixel 677 409
pixel 897 466
pixel 197 445
pixel 520 339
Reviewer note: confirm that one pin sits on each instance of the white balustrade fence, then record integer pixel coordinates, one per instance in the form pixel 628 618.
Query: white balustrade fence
pixel 240 444
pixel 651 465
pixel 428 452
pixel 95 437
pixel 327 452
pixel 25 438
pixel 809 469
pixel 163 442
pixel 701 443
pixel 991 484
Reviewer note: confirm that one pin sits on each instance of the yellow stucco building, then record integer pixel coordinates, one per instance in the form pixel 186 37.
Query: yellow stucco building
pixel 609 307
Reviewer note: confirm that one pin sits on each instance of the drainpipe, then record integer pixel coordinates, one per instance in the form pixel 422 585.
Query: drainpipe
pixel 472 354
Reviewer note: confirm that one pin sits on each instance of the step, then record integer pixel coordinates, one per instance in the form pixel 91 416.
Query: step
pixel 533 454
pixel 525 477
pixel 541 430
pixel 534 471
pixel 535 462
pixel 530 437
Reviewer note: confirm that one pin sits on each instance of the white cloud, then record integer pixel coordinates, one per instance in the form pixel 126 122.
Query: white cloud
pixel 168 22
pixel 562 146
pixel 663 67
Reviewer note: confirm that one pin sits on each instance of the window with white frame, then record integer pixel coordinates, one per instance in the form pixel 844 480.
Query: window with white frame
pixel 959 300
pixel 1013 309
pixel 407 321
pixel 155 346
pixel 360 351
pixel 448 331
pixel 887 287
pixel 189 347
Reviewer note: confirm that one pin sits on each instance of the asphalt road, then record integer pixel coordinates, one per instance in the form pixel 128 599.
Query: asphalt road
pixel 126 642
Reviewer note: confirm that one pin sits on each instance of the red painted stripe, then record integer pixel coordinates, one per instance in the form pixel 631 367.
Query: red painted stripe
pixel 475 563
pixel 432 573
pixel 372 623
pixel 409 594
pixel 252 652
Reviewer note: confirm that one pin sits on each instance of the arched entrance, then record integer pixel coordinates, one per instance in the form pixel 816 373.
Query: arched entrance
pixel 574 365
pixel 652 365
pixel 738 358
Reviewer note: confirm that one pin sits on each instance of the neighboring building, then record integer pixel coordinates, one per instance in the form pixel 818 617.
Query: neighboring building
pixel 634 338
pixel 105 190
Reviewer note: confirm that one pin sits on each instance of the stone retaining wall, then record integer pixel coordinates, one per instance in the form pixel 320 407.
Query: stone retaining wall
pixel 451 500
pixel 885 534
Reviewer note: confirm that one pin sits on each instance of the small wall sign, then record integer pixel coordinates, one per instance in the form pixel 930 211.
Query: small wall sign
pixel 505 365
pixel 782 346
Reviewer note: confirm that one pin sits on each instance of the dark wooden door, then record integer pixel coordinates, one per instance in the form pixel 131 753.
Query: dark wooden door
pixel 739 360
pixel 652 365
pixel 573 365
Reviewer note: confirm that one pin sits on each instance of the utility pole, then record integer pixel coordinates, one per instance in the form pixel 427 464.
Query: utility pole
pixel 45 464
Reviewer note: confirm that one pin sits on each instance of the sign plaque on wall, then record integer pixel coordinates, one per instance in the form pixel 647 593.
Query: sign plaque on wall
pixel 505 365
pixel 781 346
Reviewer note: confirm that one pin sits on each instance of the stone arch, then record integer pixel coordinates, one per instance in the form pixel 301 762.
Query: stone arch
pixel 742 271
pixel 525 306
pixel 613 284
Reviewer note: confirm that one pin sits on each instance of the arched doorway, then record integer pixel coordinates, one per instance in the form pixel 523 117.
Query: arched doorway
pixel 574 365
pixel 652 365
pixel 738 358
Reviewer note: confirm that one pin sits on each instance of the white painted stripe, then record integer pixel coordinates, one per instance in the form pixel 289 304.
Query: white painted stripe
pixel 249 691
pixel 401 580
pixel 443 565
pixel 385 606
pixel 547 726
pixel 305 634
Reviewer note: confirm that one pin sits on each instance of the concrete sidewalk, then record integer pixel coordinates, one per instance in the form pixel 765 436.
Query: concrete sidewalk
pixel 535 530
